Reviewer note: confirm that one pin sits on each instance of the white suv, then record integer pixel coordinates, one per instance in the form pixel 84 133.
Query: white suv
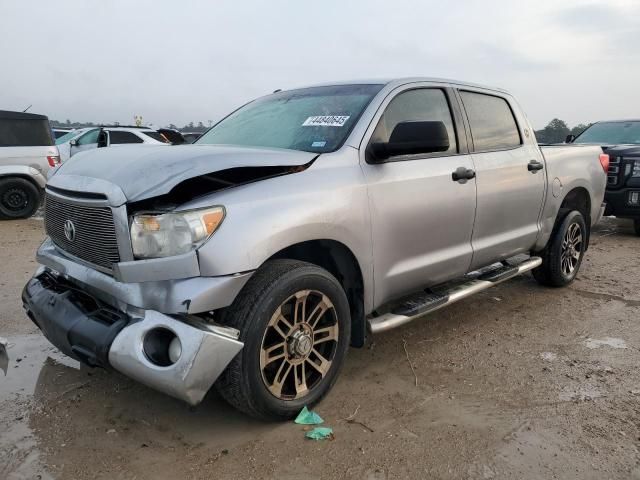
pixel 94 137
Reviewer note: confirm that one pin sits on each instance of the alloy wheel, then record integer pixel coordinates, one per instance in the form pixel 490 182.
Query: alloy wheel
pixel 571 249
pixel 299 345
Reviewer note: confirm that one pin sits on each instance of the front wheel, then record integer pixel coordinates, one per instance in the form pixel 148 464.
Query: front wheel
pixel 294 321
pixel 562 257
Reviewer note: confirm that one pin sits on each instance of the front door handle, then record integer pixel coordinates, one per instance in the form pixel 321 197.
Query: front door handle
pixel 462 174
pixel 534 166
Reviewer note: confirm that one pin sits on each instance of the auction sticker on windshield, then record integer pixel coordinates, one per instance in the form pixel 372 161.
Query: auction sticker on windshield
pixel 326 121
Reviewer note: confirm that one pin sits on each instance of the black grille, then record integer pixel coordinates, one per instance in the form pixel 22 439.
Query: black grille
pixel 95 233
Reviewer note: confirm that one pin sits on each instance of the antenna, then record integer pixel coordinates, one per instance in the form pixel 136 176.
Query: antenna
pixel 23 111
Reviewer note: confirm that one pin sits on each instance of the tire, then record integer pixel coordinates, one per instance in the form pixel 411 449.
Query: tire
pixel 19 198
pixel 255 381
pixel 561 262
pixel 636 226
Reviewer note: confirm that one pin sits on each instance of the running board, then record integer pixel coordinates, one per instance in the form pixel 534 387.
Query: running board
pixel 423 303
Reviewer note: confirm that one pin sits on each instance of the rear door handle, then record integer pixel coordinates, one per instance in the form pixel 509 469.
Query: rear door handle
pixel 534 166
pixel 462 174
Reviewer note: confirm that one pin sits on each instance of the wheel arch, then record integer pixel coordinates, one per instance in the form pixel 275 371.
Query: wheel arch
pixel 24 176
pixel 340 261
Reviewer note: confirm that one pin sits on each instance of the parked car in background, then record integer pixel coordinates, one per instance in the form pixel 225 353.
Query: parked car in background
pixel 84 139
pixel 296 226
pixel 59 132
pixel 191 137
pixel 621 140
pixel 27 153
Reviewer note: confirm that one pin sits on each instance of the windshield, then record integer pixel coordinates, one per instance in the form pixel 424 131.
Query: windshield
pixel 316 119
pixel 69 136
pixel 611 133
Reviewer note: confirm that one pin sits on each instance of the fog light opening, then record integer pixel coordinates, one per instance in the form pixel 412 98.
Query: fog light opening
pixel 162 347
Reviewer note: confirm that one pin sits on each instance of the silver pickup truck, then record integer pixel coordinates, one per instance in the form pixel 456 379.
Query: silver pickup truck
pixel 296 226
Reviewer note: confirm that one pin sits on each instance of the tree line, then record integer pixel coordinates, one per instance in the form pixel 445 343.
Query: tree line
pixel 557 130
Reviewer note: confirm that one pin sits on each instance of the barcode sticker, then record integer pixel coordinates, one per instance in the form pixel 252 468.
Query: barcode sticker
pixel 326 121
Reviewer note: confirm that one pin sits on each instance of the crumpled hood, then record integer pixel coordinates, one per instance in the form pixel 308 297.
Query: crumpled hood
pixel 148 172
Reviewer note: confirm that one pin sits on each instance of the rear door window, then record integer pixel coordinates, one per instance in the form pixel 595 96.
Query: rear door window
pixel 422 104
pixel 117 137
pixel 493 126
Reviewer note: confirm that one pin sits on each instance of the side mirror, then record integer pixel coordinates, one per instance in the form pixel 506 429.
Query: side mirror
pixel 570 139
pixel 73 143
pixel 410 138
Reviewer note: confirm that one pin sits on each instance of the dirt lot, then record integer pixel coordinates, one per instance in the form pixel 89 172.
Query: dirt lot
pixel 519 382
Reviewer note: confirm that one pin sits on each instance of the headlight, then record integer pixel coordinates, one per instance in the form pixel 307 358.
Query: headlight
pixel 168 234
pixel 636 169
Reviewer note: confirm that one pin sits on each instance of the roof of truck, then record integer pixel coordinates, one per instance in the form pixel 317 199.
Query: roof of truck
pixel 405 80
pixel 8 115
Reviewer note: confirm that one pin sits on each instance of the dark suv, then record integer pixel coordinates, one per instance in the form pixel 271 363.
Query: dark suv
pixel 621 140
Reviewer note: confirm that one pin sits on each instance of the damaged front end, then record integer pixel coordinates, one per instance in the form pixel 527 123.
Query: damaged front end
pixel 109 292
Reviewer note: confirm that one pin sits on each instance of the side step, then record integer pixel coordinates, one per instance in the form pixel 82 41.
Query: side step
pixel 428 302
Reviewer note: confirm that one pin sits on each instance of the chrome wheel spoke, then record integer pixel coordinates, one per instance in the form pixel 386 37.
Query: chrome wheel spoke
pixel 300 307
pixel 300 379
pixel 318 312
pixel 280 378
pixel 325 334
pixel 269 356
pixel 323 366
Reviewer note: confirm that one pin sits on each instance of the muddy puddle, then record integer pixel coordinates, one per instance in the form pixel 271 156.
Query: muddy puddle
pixel 51 402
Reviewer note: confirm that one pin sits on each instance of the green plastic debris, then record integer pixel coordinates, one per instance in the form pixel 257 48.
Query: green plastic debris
pixel 320 433
pixel 308 417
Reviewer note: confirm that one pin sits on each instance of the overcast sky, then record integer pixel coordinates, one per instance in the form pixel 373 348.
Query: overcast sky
pixel 180 61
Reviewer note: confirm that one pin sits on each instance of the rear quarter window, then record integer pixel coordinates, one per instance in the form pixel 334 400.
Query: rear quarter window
pixel 25 133
pixel 493 125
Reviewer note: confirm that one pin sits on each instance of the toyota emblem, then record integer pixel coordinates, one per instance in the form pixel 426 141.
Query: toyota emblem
pixel 69 230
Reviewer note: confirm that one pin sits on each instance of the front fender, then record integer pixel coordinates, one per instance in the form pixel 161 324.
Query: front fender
pixel 327 202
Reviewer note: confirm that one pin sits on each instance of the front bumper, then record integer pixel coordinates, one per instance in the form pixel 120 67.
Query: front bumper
pixel 97 334
pixel 186 295
pixel 618 205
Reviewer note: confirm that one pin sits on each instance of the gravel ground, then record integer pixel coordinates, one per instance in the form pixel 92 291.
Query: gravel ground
pixel 517 382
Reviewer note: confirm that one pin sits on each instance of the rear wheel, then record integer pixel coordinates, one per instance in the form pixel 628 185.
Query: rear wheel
pixel 562 257
pixel 636 226
pixel 295 324
pixel 19 198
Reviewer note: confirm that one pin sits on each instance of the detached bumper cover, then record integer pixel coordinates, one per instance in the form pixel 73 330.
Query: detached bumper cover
pixel 85 328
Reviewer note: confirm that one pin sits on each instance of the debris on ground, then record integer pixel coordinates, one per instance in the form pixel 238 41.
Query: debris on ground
pixel 308 417
pixel 320 433
pixel 352 419
pixel 415 376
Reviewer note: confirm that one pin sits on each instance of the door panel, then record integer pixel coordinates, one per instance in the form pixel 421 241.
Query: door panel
pixel 421 223
pixel 509 202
